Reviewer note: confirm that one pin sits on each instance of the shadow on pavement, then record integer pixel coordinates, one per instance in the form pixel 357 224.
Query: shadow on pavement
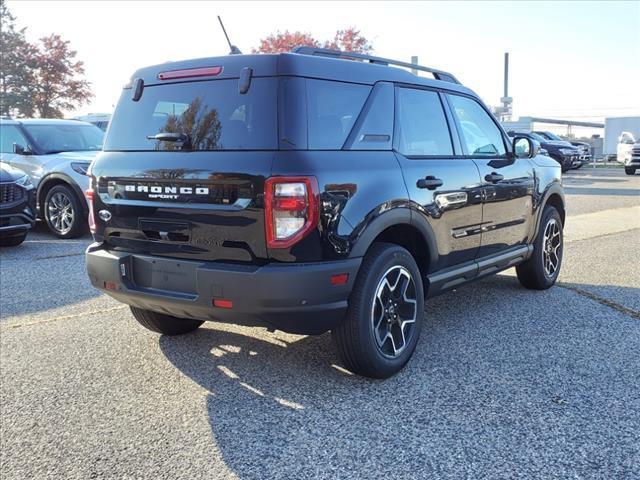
pixel 504 381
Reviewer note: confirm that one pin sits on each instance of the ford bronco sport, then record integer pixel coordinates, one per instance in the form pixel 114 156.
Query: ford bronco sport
pixel 312 191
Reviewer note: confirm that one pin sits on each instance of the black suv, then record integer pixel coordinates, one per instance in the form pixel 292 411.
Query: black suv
pixel 309 192
pixel 17 205
pixel 562 152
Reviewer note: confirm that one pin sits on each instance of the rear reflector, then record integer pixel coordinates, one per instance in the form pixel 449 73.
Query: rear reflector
pixel 339 279
pixel 91 216
pixel 190 73
pixel 222 303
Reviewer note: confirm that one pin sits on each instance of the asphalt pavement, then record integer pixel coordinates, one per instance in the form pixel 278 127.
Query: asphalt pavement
pixel 505 382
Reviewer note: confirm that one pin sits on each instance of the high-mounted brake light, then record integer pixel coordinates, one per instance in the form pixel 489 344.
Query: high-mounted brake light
pixel 190 72
pixel 292 209
pixel 92 219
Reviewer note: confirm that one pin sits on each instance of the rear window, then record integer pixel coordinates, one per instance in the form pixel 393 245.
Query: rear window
pixel 212 113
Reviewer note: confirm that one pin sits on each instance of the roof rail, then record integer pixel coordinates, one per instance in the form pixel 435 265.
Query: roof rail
pixel 326 52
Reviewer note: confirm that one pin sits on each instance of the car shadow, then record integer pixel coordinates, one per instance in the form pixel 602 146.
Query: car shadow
pixel 503 379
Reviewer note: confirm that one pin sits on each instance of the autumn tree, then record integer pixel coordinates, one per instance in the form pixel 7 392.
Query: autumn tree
pixel 58 83
pixel 44 79
pixel 348 39
pixel 284 41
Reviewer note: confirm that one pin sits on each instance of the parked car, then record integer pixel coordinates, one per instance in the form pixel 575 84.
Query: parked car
pixel 562 152
pixel 17 205
pixel 313 193
pixel 628 152
pixel 100 120
pixel 56 155
pixel 583 147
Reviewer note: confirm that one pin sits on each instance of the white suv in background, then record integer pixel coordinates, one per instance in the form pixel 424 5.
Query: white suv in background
pixel 56 155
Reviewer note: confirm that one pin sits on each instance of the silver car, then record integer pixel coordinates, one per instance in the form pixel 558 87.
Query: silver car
pixel 56 155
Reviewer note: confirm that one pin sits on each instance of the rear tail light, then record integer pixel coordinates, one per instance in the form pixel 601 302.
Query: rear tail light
pixel 92 219
pixel 291 209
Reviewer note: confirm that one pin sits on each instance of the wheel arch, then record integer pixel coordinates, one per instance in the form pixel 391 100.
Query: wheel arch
pixel 396 226
pixel 554 196
pixel 53 179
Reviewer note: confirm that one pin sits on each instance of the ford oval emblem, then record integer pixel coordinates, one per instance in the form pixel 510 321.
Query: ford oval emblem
pixel 105 215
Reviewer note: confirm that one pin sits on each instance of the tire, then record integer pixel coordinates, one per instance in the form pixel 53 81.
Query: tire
pixel 164 324
pixel 630 170
pixel 63 212
pixel 12 241
pixel 538 273
pixel 355 337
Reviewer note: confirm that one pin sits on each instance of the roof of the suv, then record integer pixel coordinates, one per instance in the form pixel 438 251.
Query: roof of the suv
pixel 295 64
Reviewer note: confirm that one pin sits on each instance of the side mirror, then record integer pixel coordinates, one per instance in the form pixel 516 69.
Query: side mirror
pixel 524 147
pixel 20 150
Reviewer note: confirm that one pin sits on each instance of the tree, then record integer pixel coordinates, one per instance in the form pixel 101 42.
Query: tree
pixel 57 87
pixel 16 66
pixel 284 42
pixel 43 79
pixel 348 39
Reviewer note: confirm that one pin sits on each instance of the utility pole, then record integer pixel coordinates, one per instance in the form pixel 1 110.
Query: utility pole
pixel 414 61
pixel 507 101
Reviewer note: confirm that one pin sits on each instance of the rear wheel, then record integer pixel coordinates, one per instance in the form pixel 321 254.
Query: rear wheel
pixel 630 170
pixel 386 308
pixel 164 324
pixel 63 212
pixel 542 269
pixel 12 241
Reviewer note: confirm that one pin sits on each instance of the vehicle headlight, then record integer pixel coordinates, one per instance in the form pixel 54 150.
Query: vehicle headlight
pixel 25 181
pixel 80 167
pixel 567 151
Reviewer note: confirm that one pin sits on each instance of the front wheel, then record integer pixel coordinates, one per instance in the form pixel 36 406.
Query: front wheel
pixel 165 324
pixel 63 212
pixel 386 308
pixel 630 170
pixel 541 270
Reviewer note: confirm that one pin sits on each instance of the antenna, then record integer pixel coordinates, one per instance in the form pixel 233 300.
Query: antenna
pixel 234 50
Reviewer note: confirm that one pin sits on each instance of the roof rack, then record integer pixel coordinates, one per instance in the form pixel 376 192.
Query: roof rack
pixel 326 52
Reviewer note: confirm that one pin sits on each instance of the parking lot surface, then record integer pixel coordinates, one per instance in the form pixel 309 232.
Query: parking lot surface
pixel 505 382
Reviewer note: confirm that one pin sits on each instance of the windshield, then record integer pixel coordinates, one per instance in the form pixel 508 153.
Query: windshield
pixel 205 115
pixel 54 138
pixel 538 137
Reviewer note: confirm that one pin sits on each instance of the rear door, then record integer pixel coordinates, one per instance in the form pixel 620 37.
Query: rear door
pixel 444 187
pixel 507 182
pixel 198 197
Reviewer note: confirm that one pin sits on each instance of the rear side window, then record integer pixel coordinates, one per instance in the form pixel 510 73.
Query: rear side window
pixel 332 109
pixel 212 113
pixel 422 125
pixel 480 134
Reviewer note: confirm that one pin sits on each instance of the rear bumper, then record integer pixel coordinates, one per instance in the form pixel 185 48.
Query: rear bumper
pixel 295 298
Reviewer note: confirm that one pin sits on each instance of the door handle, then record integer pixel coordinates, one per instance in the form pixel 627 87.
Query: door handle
pixel 430 183
pixel 493 177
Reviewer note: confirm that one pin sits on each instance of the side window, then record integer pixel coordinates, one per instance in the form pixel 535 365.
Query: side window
pixel 422 125
pixel 333 108
pixel 479 132
pixel 9 134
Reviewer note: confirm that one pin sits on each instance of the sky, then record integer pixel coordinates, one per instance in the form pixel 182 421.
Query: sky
pixel 578 60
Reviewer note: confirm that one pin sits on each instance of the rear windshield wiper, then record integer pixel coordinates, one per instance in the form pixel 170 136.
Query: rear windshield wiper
pixel 183 138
